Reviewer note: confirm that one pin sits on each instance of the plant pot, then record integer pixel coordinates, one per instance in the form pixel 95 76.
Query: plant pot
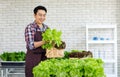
pixel 54 53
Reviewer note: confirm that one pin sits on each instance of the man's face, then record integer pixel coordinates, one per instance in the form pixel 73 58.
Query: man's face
pixel 40 16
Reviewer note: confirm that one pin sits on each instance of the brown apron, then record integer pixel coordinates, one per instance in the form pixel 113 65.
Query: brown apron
pixel 35 56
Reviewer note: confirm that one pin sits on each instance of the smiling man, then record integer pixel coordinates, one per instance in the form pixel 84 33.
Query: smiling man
pixel 33 38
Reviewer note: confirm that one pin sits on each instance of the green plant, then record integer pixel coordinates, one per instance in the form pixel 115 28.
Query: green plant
pixel 52 37
pixel 66 54
pixel 13 56
pixel 88 67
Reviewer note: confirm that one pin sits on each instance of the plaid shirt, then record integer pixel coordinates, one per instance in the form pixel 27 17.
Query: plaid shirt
pixel 30 31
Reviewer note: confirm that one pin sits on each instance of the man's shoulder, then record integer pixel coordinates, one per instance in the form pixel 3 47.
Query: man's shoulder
pixel 31 25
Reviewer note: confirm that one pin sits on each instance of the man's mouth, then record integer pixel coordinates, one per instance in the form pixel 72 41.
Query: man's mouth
pixel 41 20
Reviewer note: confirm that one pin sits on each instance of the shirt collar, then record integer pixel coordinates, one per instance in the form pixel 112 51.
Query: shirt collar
pixel 36 26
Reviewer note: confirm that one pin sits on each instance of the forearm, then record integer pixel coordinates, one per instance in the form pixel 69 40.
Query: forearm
pixel 38 44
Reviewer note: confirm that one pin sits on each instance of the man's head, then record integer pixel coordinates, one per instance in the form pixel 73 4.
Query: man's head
pixel 40 14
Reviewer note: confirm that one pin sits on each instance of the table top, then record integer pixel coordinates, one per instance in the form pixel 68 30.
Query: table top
pixel 12 64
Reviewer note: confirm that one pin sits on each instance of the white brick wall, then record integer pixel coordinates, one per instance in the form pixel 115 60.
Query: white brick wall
pixel 70 16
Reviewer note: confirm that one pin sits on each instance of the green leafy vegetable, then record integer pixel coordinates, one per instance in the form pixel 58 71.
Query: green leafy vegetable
pixel 13 56
pixel 66 54
pixel 88 67
pixel 52 37
pixel 77 54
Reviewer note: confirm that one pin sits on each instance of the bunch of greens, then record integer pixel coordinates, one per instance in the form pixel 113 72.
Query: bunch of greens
pixel 77 54
pixel 88 67
pixel 13 56
pixel 66 54
pixel 51 37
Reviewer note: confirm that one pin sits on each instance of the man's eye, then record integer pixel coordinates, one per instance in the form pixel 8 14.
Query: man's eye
pixel 42 15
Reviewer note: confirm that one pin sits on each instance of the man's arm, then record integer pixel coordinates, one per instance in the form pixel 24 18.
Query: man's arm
pixel 29 38
pixel 38 44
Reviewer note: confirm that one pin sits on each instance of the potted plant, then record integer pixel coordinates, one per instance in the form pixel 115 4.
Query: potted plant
pixel 53 43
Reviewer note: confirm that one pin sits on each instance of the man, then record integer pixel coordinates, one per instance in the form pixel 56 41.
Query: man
pixel 33 37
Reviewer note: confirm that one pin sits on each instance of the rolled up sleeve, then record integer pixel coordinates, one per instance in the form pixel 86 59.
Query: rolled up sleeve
pixel 29 37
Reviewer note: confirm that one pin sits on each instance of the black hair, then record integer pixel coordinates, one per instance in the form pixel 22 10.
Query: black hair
pixel 39 8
